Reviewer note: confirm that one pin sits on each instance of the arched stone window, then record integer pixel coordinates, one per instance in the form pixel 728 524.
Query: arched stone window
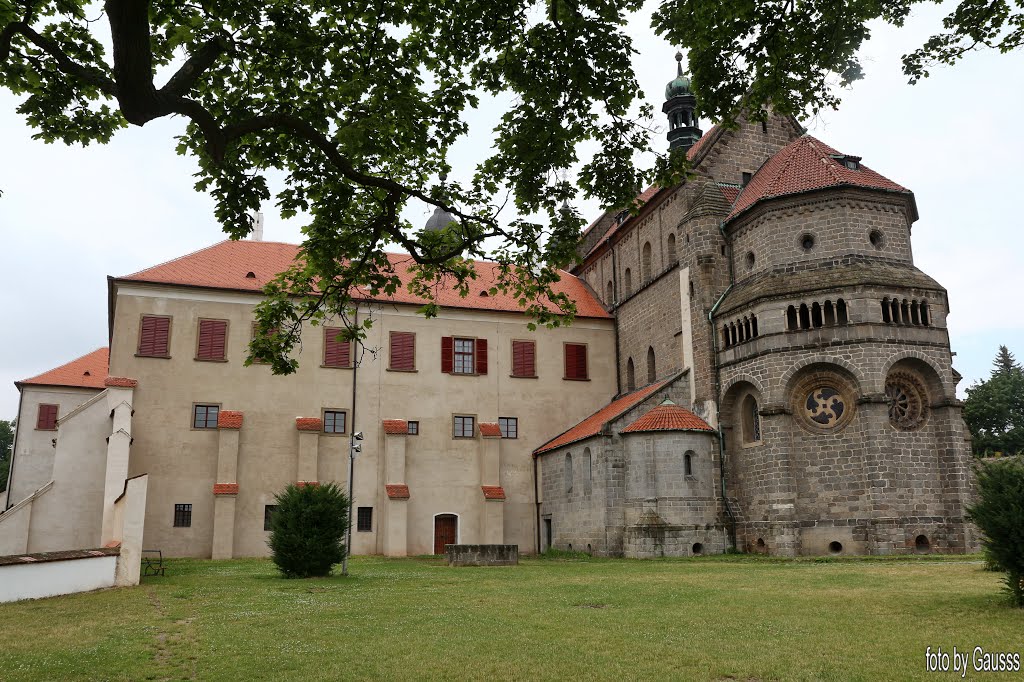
pixel 652 372
pixel 915 317
pixel 751 420
pixel 746 329
pixel 830 314
pixel 894 310
pixel 905 312
pixel 753 324
pixel 791 322
pixel 688 464
pixel 646 269
pixel 588 471
pixel 627 280
pixel 691 288
pixel 805 317
pixel 886 311
pixel 568 472
pixel 841 314
pixel 630 375
pixel 725 336
pixel 815 315
pixel 673 258
pixel 610 299
pixel 924 313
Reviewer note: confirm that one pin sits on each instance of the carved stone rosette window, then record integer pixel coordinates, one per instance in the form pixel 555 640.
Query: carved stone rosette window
pixel 823 401
pixel 908 401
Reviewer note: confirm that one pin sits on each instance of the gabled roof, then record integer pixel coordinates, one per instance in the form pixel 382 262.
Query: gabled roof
pixel 226 265
pixel 668 417
pixel 592 425
pixel 88 371
pixel 804 165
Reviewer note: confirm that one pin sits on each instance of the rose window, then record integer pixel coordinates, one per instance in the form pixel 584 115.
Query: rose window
pixel 907 401
pixel 825 406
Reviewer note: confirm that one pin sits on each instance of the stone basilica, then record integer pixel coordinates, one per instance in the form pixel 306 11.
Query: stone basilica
pixel 785 370
pixel 755 362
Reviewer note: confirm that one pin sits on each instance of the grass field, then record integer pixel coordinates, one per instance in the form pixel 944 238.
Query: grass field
pixel 714 618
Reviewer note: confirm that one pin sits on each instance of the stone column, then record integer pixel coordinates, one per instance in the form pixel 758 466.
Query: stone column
pixel 309 429
pixel 225 490
pixel 492 513
pixel 395 519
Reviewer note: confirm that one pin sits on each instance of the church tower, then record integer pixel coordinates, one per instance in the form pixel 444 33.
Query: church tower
pixel 679 107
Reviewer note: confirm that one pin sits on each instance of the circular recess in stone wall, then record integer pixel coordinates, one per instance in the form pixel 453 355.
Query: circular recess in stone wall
pixel 697 549
pixel 835 547
pixel 876 239
pixel 750 260
pixel 921 544
pixel 908 401
pixel 823 401
pixel 807 242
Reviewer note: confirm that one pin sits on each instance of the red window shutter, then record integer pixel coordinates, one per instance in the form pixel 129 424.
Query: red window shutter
pixel 337 353
pixel 523 359
pixel 403 351
pixel 575 361
pixel 47 417
pixel 481 356
pixel 581 362
pixel 212 337
pixel 154 335
pixel 447 353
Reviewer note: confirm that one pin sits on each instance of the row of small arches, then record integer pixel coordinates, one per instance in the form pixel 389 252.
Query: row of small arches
pixel 895 311
pixel 646 269
pixel 817 315
pixel 739 331
pixel 652 370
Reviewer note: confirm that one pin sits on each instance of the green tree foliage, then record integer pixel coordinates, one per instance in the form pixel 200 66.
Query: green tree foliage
pixel 994 410
pixel 791 53
pixel 359 105
pixel 999 513
pixel 6 445
pixel 308 527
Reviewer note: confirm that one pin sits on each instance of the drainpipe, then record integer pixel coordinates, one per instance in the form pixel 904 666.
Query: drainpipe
pixel 536 499
pixel 14 448
pixel 615 319
pixel 351 457
pixel 718 396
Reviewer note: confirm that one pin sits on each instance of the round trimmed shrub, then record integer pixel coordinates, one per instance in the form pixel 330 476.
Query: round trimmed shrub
pixel 307 536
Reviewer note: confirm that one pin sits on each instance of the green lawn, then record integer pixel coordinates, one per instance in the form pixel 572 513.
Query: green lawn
pixel 711 618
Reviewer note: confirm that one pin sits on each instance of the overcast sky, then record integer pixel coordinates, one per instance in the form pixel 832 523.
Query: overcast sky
pixel 71 216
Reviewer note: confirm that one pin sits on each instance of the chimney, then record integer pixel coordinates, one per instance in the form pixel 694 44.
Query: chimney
pixel 257 227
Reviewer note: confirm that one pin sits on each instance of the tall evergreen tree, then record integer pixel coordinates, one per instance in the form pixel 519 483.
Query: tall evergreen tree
pixel 994 410
pixel 1004 362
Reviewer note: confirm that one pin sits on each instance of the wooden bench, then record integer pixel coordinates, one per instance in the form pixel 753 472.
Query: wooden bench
pixel 153 565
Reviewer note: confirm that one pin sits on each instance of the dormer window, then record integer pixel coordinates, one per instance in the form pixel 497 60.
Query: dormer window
pixel 848 162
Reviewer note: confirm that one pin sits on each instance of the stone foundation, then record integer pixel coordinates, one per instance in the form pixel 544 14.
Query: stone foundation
pixel 482 555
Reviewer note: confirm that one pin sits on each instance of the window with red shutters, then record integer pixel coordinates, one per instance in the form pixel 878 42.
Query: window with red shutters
pixel 447 354
pixel 155 336
pixel 403 352
pixel 212 340
pixel 576 361
pixel 47 418
pixel 337 353
pixel 524 359
pixel 481 356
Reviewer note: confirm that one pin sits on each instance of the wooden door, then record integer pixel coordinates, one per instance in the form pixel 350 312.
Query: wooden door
pixel 446 528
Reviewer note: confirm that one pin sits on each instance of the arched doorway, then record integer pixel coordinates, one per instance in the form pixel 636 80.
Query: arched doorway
pixel 446 531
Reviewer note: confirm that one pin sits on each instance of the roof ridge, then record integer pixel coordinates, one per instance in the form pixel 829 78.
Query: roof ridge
pixel 824 156
pixel 175 260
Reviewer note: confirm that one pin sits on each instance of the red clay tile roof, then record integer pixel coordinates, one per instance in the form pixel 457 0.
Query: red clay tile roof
pixel 121 382
pixel 592 425
pixel 88 371
pixel 490 430
pixel 225 488
pixel 397 491
pixel 730 193
pixel 229 419
pixel 396 426
pixel 493 492
pixel 309 423
pixel 804 165
pixel 668 418
pixel 226 264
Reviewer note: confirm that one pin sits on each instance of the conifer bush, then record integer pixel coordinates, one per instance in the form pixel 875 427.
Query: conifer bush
pixel 307 536
pixel 999 514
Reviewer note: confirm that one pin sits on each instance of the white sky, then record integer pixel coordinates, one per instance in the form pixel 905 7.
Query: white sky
pixel 71 216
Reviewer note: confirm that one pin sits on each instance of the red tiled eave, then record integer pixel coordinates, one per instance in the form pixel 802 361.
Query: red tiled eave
pixel 309 423
pixel 493 492
pixel 805 165
pixel 490 430
pixel 229 419
pixel 668 418
pixel 397 491
pixel 395 427
pixel 88 371
pixel 592 425
pixel 226 264
pixel 120 382
pixel 225 488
